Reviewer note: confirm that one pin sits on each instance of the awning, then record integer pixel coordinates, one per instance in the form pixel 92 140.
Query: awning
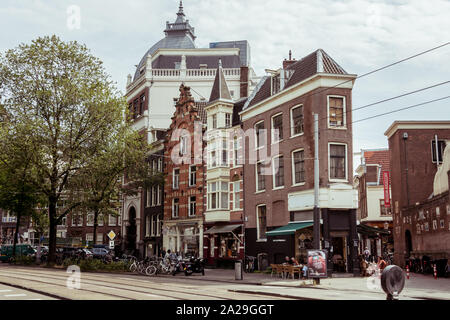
pixel 222 229
pixel 290 228
pixel 365 229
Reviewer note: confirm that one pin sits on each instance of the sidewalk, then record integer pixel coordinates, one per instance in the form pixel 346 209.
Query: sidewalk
pixel 418 286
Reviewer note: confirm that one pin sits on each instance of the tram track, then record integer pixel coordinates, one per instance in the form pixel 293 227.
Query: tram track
pixel 112 284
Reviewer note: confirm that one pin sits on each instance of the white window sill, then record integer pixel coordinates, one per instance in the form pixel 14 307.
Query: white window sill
pixel 338 180
pixel 260 191
pixel 296 135
pixel 299 184
pixel 337 128
pixel 278 188
pixel 276 142
pixel 261 240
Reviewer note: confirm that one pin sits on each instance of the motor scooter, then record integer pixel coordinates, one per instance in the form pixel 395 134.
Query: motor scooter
pixel 196 265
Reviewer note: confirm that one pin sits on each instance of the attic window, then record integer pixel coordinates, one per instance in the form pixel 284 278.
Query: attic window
pixel 141 71
pixel 203 66
pixel 275 84
pixel 177 65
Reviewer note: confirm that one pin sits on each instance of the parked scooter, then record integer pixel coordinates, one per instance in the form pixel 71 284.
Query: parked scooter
pixel 194 265
pixel 177 265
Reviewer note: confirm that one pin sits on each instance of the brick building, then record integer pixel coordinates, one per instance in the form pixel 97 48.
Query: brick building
pixel 184 187
pixel 279 185
pixel 224 239
pixel 420 212
pixel 375 216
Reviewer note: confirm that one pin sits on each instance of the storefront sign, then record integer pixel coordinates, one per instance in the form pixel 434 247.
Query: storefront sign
pixel 317 264
pixel 387 197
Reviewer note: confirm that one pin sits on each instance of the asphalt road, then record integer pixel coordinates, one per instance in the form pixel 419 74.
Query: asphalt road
pixel 13 293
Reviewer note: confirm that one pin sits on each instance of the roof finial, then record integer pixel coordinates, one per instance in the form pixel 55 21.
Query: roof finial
pixel 290 55
pixel 180 8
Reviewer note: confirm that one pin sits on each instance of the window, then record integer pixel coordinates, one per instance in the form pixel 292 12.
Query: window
pixel 90 219
pixel 101 220
pixel 192 175
pixel 154 195
pixel 236 195
pixel 159 222
pixel 227 120
pixel 159 200
pixel 296 120
pixel 434 224
pixel 336 110
pixel 448 209
pixel 154 165
pixel 175 207
pixel 278 171
pixel 112 220
pixel 214 121
pixel 277 128
pixel 442 223
pixel 160 164
pixel 236 149
pixel 192 204
pixel 259 132
pixel 224 153
pixel 217 195
pixel 260 179
pixel 154 225
pixel 383 210
pixel 441 147
pixel 89 237
pixel 213 159
pixel 176 178
pixel 76 221
pixel 183 145
pixel 63 221
pixel 261 222
pixel 298 165
pixel 337 161
pixel 149 197
pixel 427 228
pixel 438 211
pixel 99 238
pixel 147 226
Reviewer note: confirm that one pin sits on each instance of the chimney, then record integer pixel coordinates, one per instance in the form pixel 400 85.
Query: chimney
pixel 287 63
pixel 244 81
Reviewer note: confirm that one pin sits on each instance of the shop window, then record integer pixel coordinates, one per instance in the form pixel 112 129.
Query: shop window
pixel 211 247
pixel 261 222
pixel 228 246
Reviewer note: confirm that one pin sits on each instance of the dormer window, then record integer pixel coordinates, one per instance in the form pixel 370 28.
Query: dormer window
pixel 203 66
pixel 275 84
pixel 177 65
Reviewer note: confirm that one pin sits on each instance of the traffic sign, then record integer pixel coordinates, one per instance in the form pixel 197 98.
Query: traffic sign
pixel 111 244
pixel 111 235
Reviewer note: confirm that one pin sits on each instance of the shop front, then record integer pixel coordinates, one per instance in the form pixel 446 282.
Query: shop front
pixel 184 238
pixel 224 245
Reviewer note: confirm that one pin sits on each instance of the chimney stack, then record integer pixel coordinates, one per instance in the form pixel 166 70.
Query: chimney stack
pixel 287 63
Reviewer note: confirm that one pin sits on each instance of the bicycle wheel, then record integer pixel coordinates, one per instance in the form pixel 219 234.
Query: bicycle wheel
pixel 150 270
pixel 133 267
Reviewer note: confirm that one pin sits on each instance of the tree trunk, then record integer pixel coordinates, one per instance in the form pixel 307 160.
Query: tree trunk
pixel 52 232
pixel 16 234
pixel 95 226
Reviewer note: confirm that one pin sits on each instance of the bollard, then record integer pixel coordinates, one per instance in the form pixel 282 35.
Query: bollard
pixel 435 271
pixel 238 270
pixel 407 272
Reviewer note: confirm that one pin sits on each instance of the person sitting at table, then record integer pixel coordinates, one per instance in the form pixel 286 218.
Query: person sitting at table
pixel 294 261
pixel 287 261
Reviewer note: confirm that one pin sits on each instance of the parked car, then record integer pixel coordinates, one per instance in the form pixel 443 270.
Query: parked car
pixel 100 252
pixel 21 250
pixel 85 253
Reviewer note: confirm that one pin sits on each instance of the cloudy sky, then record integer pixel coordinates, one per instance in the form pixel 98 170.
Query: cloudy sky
pixel 360 35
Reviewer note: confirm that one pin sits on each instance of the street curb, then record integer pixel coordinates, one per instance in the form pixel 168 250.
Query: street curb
pixel 35 291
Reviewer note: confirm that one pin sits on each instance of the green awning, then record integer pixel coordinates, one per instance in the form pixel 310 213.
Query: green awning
pixel 290 228
pixel 367 230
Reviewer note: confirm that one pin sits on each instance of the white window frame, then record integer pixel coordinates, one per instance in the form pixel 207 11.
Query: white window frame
pixel 178 178
pixel 112 222
pixel 235 208
pixel 159 195
pixel 294 183
pixel 256 176
pixel 272 135
pixel 214 121
pixel 227 120
pixel 160 164
pixel 219 191
pixel 173 208
pixel 90 224
pixel 89 237
pixel 149 197
pixel 235 151
pixel 433 150
pixel 195 176
pixel 190 204
pixel 159 223
pixel 291 118
pixel 256 135
pixel 147 226
pixel 99 238
pixel 101 220
pixel 346 162
pixel 154 225
pixel 344 113
pixel 257 222
pixel 273 173
pixel 154 196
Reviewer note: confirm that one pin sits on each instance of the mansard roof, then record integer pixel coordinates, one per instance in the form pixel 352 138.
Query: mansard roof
pixel 220 88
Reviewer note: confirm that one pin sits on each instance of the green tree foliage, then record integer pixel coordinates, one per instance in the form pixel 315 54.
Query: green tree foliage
pixel 72 112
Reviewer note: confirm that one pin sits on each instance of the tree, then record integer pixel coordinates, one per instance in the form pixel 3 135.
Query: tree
pixel 64 97
pixel 18 193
